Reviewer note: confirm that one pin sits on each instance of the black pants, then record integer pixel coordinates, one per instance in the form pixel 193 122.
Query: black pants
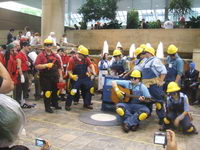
pixel 49 85
pixel 22 87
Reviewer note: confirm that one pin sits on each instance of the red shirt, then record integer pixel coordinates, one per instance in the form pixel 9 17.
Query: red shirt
pixel 12 68
pixel 65 59
pixel 42 58
pixel 71 64
pixel 24 60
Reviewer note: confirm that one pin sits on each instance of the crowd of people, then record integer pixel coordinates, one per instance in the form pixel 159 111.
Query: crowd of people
pixel 59 74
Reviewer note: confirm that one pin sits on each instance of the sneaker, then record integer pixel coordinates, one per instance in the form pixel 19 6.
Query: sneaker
pixel 49 110
pixel 87 106
pixel 134 128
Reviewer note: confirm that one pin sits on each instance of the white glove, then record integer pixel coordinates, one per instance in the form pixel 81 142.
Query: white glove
pixel 22 78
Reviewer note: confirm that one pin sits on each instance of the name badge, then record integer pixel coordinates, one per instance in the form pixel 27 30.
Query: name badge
pixel 170 65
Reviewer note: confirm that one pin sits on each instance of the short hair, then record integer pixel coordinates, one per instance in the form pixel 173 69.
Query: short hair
pixel 12 120
pixel 11 30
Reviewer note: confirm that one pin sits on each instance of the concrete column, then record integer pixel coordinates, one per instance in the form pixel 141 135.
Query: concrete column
pixel 53 16
pixel 195 58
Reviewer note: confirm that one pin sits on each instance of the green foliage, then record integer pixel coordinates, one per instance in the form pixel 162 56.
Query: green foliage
pixel 83 25
pixel 114 24
pixel 194 22
pixel 132 19
pixel 154 25
pixel 180 7
pixel 98 9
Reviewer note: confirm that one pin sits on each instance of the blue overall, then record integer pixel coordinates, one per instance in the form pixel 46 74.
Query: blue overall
pixel 118 66
pixel 134 108
pixel 174 68
pixel 83 83
pixel 155 91
pixel 174 109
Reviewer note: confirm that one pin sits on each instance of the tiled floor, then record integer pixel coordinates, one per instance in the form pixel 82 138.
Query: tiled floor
pixel 64 131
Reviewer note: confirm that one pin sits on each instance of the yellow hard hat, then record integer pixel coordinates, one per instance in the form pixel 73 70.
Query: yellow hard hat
pixel 138 51
pixel 136 74
pixel 83 50
pixel 117 52
pixel 143 46
pixel 173 87
pixel 48 41
pixel 150 50
pixel 172 49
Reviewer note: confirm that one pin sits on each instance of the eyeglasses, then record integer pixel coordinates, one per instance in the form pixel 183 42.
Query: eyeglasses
pixel 172 93
pixel 48 45
pixel 171 55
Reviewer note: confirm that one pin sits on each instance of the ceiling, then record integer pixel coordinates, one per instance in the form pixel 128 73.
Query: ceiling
pixel 122 5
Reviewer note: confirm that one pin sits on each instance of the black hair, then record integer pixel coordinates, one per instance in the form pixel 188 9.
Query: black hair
pixel 11 30
pixel 60 50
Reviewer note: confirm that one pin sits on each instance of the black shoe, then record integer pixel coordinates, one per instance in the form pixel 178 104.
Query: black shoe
pixel 49 110
pixel 125 127
pixel 67 108
pixel 58 107
pixel 134 128
pixel 87 106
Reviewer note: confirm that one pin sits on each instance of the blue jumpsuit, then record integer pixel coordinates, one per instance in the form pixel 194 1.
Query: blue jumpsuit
pixel 134 107
pixel 151 69
pixel 175 109
pixel 174 68
pixel 119 66
pixel 83 83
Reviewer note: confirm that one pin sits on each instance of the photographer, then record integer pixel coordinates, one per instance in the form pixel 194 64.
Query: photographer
pixel 171 140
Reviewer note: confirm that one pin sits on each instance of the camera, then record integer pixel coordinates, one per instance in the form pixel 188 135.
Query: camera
pixel 160 138
pixel 39 142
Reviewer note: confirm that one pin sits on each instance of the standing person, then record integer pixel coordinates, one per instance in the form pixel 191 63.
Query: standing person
pixel 10 36
pixel 35 41
pixel 23 79
pixel 27 33
pixel 11 65
pixel 174 65
pixel 103 70
pixel 49 66
pixel 118 65
pixel 52 36
pixel 77 71
pixel 191 83
pixel 177 114
pixel 153 75
pixel 136 109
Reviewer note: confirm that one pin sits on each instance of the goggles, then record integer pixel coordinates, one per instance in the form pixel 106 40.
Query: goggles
pixel 48 45
pixel 134 78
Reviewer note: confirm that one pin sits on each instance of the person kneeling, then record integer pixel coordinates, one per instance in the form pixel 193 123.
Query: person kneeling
pixel 177 107
pixel 136 109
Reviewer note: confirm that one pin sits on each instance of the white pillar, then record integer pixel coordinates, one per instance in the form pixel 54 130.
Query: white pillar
pixel 53 16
